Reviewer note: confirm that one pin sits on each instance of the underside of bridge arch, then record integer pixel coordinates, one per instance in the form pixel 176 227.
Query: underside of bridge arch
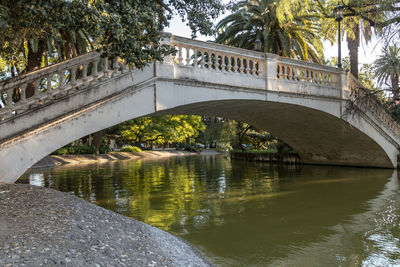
pixel 318 137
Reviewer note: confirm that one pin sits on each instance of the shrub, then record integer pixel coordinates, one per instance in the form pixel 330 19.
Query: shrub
pixel 74 150
pixel 61 151
pixel 130 149
pixel 81 149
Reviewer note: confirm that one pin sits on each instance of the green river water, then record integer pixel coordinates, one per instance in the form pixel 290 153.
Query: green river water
pixel 241 213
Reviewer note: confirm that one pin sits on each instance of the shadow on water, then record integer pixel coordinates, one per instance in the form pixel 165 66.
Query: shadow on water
pixel 244 213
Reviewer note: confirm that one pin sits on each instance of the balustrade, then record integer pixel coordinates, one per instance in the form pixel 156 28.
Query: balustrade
pixel 367 103
pixel 219 58
pixel 47 84
pixel 305 72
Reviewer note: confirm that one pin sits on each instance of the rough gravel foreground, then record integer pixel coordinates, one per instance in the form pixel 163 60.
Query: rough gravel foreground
pixel 41 226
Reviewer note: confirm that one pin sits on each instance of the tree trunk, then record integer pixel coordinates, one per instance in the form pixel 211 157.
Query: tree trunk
pixel 97 140
pixel 34 61
pixel 353 45
pixel 69 48
pixel 395 86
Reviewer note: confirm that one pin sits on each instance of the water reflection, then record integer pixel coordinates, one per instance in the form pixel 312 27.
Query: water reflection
pixel 243 213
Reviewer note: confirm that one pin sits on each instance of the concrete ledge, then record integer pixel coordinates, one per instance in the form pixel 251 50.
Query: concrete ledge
pixel 41 226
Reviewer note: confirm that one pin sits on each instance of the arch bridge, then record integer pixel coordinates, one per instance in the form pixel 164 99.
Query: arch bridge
pixel 322 112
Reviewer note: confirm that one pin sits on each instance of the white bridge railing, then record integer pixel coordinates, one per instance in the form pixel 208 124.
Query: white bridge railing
pixel 22 93
pixel 364 102
pixel 212 56
pixel 306 72
pixel 50 83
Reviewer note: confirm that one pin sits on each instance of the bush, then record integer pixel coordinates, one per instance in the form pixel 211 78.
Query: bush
pixel 192 149
pixel 130 149
pixel 61 151
pixel 74 150
pixel 81 149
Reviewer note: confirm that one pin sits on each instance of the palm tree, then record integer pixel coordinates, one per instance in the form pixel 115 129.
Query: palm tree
pixel 360 19
pixel 289 31
pixel 387 68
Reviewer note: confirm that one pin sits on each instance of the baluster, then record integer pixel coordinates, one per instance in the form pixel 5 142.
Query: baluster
pixel 95 72
pixel 285 72
pixel 187 56
pixel 214 64
pixel 229 67
pixel 195 50
pixel 61 80
pixel 247 60
pixel 48 88
pixel 203 58
pixel 23 93
pixel 73 76
pixel 106 68
pixel 180 58
pixel 235 64
pixel 36 85
pixel 241 68
pixel 84 72
pixel 209 61
pixel 218 58
pixel 8 104
pixel 278 70
pixel 223 65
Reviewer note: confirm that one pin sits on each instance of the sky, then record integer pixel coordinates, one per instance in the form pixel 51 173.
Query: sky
pixel 367 53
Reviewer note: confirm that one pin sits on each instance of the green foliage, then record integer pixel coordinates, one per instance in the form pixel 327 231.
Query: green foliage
pixel 130 29
pixel 387 69
pixel 61 151
pixel 218 130
pixel 286 28
pixel 162 129
pixel 75 150
pixel 130 149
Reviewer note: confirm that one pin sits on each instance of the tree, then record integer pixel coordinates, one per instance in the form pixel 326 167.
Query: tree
pixel 286 28
pixel 387 69
pixel 360 18
pixel 162 129
pixel 131 29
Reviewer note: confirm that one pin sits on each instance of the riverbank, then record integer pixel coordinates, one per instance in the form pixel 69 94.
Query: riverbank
pixel 275 157
pixel 53 160
pixel 42 226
